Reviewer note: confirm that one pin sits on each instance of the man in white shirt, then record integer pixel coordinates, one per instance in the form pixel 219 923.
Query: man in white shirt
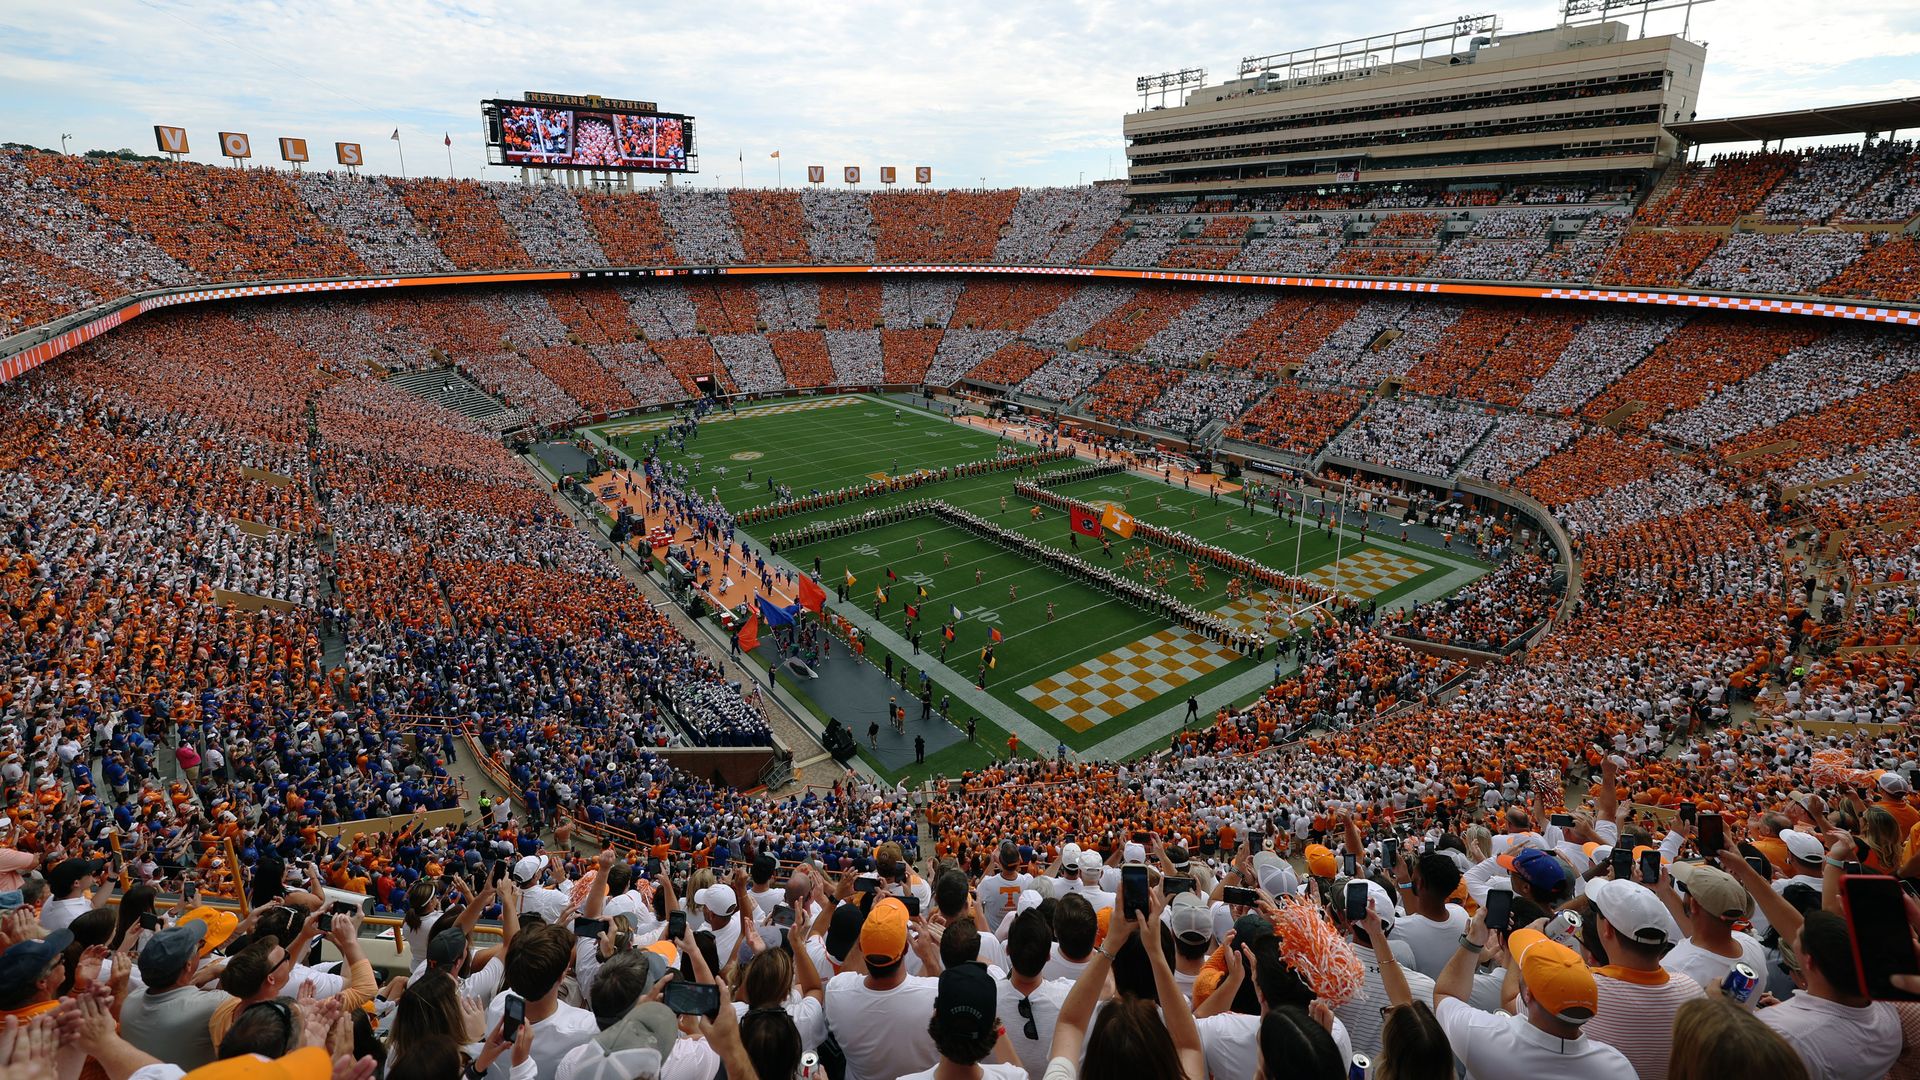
pixel 1806 857
pixel 880 1018
pixel 1075 929
pixel 1557 996
pixel 536 964
pixel 765 898
pixel 1091 868
pixel 966 1028
pixel 535 897
pixel 1364 1015
pixel 1838 1032
pixel 1029 1003
pixel 717 904
pixel 1432 927
pixel 1638 997
pixel 1000 890
pixel 68 882
pixel 1711 901
pixel 1190 918
pixel 622 982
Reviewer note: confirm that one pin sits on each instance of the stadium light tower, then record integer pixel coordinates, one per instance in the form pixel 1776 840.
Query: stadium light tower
pixel 63 141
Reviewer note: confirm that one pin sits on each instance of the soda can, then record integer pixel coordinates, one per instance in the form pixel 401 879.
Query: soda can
pixel 1739 983
pixel 810 1067
pixel 1362 1065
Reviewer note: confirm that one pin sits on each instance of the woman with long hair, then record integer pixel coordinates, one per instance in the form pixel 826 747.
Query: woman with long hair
pixel 1133 1037
pixel 428 1012
pixel 128 931
pixel 1714 1038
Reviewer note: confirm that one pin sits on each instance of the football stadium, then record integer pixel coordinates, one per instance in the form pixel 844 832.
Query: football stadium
pixel 1412 576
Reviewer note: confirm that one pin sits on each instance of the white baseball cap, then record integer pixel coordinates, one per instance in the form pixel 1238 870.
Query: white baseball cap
pixel 716 898
pixel 1634 911
pixel 1803 846
pixel 528 869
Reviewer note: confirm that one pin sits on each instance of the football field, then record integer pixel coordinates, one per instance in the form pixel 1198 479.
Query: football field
pixel 1073 664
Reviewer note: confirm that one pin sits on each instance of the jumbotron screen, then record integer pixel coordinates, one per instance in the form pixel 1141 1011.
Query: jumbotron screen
pixel 544 136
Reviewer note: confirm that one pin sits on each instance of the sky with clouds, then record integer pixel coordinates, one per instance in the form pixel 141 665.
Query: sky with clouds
pixel 1024 94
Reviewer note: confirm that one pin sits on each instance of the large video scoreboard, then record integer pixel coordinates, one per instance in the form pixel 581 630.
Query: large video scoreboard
pixel 560 131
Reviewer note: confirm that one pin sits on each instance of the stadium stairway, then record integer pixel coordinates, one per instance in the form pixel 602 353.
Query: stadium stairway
pixel 448 387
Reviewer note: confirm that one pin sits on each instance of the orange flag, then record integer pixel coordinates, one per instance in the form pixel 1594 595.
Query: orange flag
pixel 1117 520
pixel 812 596
pixel 750 632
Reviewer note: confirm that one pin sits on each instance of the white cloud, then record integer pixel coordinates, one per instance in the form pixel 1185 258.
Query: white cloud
pixel 1022 94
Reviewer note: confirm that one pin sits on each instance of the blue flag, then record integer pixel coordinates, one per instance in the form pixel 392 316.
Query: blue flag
pixel 774 614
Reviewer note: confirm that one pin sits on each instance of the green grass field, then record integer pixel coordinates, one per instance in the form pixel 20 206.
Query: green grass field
pixel 1091 639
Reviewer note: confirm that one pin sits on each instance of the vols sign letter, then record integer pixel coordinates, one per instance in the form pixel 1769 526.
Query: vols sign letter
pixel 235 145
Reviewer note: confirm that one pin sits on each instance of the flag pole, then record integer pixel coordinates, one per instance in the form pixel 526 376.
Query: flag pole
pixel 779 174
pixel 449 156
pixel 398 145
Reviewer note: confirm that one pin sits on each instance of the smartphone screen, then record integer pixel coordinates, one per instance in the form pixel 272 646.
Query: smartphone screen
pixel 1561 821
pixel 676 926
pixel 1256 842
pixel 782 916
pixel 1174 886
pixel 913 905
pixel 513 1012
pixel 691 998
pixel 1687 812
pixel 1133 890
pixel 326 922
pixel 1882 940
pixel 1356 901
pixel 149 921
pixel 1390 850
pixel 1760 865
pixel 1499 904
pixel 589 928
pixel 1712 835
pixel 1649 868
pixel 1622 860
pixel 1349 864
pixel 499 872
pixel 866 884
pixel 1234 894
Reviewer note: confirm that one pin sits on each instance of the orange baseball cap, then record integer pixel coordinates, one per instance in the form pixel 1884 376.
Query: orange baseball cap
pixel 311 1063
pixel 883 937
pixel 1555 976
pixel 1320 861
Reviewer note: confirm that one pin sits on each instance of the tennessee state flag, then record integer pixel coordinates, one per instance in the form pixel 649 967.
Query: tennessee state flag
pixel 993 634
pixel 812 596
pixel 1083 521
pixel 1118 520
pixel 750 633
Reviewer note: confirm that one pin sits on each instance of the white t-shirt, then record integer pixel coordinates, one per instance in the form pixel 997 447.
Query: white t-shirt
pixel 1046 1002
pixel 1500 1046
pixel 1059 967
pixel 567 1028
pixel 809 1016
pixel 998 893
pixel 690 1059
pixel 417 939
pixel 882 1032
pixel 58 913
pixel 1709 969
pixel 989 1070
pixel 1837 1041
pixel 1433 943
pixel 1232 1043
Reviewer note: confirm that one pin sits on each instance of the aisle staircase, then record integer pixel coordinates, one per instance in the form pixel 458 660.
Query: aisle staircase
pixel 447 387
